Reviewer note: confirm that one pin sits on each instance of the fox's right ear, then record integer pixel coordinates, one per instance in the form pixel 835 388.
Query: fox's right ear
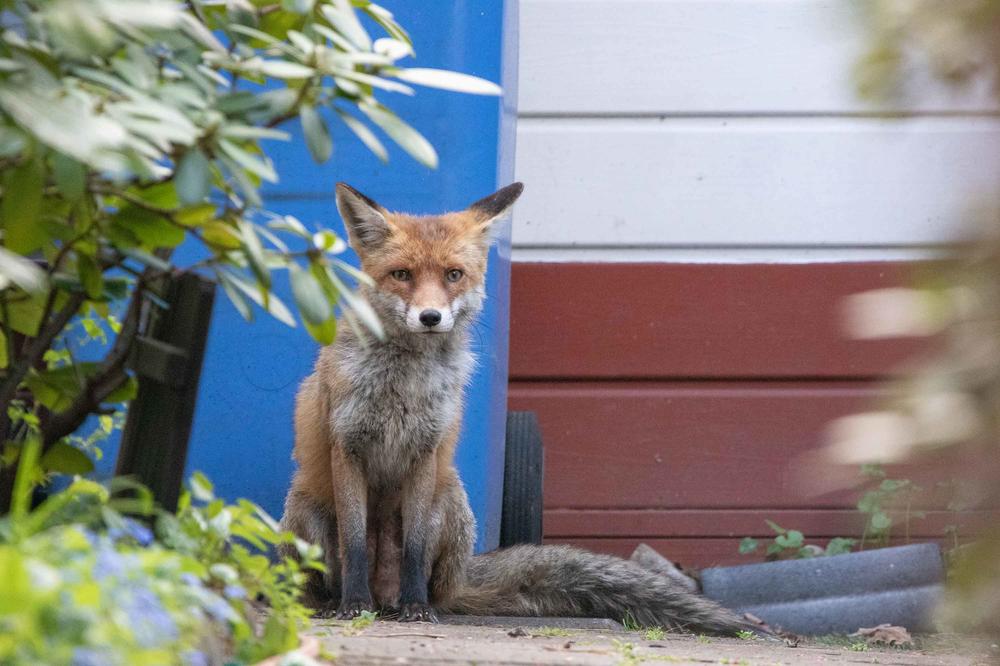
pixel 367 226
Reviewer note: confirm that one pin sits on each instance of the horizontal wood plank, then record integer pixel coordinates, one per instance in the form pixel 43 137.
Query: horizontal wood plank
pixel 622 445
pixel 688 552
pixel 694 320
pixel 690 56
pixel 678 523
pixel 750 182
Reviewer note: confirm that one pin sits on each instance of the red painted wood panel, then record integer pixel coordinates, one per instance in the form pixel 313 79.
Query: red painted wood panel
pixel 676 523
pixel 683 444
pixel 676 401
pixel 573 320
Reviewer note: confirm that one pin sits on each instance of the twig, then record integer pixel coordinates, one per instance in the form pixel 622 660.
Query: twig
pixel 109 377
pixel 37 347
pixel 293 109
pixel 413 635
pixel 8 331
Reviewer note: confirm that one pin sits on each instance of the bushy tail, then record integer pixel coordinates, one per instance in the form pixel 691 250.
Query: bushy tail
pixel 564 581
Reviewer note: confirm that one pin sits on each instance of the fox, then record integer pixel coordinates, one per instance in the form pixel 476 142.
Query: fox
pixel 376 428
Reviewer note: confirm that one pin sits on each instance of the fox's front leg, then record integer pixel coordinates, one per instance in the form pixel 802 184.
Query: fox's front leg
pixel 417 498
pixel 350 490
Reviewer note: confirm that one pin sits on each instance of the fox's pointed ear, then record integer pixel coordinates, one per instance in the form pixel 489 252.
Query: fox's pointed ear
pixel 366 221
pixel 495 206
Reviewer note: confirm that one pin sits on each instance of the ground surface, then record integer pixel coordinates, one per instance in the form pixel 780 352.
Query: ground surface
pixel 551 641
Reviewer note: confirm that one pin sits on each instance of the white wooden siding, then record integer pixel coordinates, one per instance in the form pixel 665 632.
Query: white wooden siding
pixel 707 128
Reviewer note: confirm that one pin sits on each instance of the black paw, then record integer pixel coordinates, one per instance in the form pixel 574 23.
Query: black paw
pixel 416 612
pixel 348 610
pixel 325 611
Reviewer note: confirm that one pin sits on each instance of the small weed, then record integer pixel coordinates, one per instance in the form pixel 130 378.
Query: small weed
pixel 703 639
pixel 627 653
pixel 551 632
pixel 630 623
pixel 653 634
pixel 858 646
pixel 746 635
pixel 361 622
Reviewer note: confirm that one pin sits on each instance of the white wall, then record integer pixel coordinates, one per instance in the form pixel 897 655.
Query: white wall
pixel 729 130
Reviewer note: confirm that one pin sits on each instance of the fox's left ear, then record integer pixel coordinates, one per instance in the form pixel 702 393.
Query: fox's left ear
pixel 495 206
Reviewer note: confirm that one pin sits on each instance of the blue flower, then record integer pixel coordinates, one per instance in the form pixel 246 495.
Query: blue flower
pixel 134 529
pixel 191 580
pixel 151 624
pixel 83 656
pixel 218 609
pixel 234 592
pixel 195 658
pixel 108 562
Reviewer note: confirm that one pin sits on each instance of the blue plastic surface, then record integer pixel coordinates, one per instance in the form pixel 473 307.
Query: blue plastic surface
pixel 242 436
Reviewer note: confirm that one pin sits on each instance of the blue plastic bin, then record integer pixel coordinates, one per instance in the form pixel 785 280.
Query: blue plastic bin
pixel 242 435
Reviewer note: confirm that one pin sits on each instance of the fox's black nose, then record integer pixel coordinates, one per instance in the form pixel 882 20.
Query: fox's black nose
pixel 430 317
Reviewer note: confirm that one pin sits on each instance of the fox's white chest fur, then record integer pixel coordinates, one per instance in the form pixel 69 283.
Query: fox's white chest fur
pixel 401 401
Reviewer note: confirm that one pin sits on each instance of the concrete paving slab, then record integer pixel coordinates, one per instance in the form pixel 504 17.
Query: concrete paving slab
pixel 523 641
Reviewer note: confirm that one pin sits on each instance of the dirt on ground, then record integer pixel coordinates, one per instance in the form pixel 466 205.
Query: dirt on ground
pixel 597 642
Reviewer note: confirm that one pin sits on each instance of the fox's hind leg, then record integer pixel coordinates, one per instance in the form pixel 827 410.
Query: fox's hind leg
pixel 452 536
pixel 309 520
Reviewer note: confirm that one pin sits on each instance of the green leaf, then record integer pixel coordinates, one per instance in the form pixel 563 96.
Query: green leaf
pixel 881 521
pixel 290 224
pixel 309 295
pixel 197 215
pixel 12 141
pixel 324 333
pixel 748 545
pixel 366 135
pixel 358 305
pixel 254 251
pixel 221 235
pixel 127 391
pixel 778 529
pixel 251 132
pixel 21 271
pixel 66 459
pixel 57 387
pixel 193 177
pixel 201 487
pixel 839 546
pixel 234 295
pixel 869 502
pixel 341 16
pixel 317 135
pixel 446 80
pixel 26 314
pixel 327 241
pixel 298 6
pixel 384 18
pixel 274 306
pixel 284 69
pixel 150 228
pixel 146 258
pixel 20 206
pixel 259 166
pixel 70 176
pixel 90 276
pixel 408 138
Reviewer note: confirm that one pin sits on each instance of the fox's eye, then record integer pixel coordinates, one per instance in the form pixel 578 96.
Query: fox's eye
pixel 401 274
pixel 454 275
